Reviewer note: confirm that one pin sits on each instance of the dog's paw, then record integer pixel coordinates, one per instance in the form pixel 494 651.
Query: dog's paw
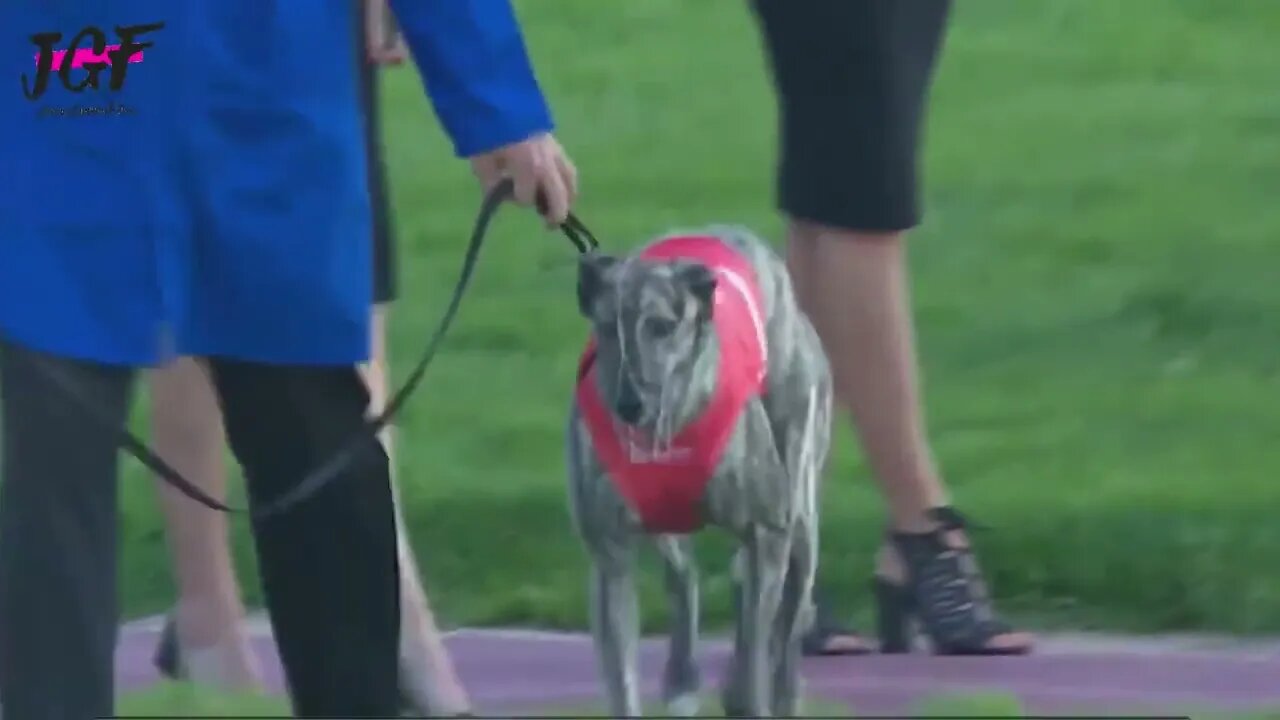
pixel 734 702
pixel 684 705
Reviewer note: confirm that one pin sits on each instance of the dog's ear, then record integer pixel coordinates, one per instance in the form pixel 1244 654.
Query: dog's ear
pixel 700 281
pixel 593 274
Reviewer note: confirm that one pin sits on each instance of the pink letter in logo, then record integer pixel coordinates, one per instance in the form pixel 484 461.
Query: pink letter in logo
pixel 86 55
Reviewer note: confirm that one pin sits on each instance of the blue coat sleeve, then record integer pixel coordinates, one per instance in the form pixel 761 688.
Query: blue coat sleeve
pixel 476 68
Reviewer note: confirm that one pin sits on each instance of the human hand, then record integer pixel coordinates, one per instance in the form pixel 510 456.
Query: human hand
pixel 384 44
pixel 541 172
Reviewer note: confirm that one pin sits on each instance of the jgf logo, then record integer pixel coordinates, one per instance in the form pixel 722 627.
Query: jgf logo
pixel 95 57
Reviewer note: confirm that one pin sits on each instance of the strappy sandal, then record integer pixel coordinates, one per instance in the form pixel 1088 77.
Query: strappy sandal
pixel 828 637
pixel 202 665
pixel 167 658
pixel 943 591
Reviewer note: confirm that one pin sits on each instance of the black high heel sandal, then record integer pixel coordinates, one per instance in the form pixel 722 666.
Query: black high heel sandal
pixel 168 655
pixel 828 637
pixel 944 592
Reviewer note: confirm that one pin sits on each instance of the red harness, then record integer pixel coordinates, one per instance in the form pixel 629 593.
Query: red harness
pixel 666 487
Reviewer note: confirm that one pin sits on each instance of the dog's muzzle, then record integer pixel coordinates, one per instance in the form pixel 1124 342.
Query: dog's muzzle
pixel 627 403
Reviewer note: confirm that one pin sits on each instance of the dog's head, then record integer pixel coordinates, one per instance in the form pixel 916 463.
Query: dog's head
pixel 650 320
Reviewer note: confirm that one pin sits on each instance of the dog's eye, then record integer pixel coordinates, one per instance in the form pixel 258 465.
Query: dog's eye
pixel 660 326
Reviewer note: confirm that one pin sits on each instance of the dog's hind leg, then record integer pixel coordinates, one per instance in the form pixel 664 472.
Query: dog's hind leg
pixel 681 680
pixel 761 563
pixel 616 624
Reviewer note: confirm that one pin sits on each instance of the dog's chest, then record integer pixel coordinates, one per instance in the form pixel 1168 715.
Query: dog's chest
pixel 664 481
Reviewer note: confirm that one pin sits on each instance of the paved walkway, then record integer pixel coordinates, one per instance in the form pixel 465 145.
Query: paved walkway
pixel 514 670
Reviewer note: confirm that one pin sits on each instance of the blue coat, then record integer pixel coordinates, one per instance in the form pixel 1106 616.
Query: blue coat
pixel 216 202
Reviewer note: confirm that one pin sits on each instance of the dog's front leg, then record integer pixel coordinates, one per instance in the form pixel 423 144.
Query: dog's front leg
pixel 616 627
pixel 681 681
pixel 806 454
pixel 760 566
pixel 793 619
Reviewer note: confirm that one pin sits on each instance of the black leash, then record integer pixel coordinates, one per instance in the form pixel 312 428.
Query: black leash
pixel 317 479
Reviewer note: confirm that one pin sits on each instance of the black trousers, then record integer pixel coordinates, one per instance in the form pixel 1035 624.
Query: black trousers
pixel 852 78
pixel 328 566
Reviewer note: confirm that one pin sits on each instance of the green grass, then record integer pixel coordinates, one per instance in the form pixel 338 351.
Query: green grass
pixel 184 700
pixel 1096 290
pixel 171 700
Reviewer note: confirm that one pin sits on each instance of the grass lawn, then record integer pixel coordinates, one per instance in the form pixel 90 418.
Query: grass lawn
pixel 184 700
pixel 1096 285
pixel 181 700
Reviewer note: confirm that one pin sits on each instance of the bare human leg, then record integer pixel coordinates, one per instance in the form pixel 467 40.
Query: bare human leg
pixel 854 287
pixel 211 644
pixel 427 676
pixel 855 290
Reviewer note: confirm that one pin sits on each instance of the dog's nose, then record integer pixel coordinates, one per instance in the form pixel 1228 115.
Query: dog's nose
pixel 629 410
pixel 627 404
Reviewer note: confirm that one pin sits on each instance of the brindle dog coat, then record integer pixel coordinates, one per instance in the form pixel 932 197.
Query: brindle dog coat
pixel 655 367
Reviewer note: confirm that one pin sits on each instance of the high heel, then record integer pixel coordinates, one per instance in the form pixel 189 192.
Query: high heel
pixel 893 616
pixel 168 656
pixel 827 636
pixel 216 665
pixel 944 592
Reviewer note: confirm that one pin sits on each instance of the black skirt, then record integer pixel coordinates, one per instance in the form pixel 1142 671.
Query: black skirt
pixel 852 79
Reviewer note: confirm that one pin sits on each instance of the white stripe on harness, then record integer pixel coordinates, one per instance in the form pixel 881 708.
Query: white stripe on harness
pixel 743 288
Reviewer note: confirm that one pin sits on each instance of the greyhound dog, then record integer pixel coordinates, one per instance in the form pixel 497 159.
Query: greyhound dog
pixel 703 397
